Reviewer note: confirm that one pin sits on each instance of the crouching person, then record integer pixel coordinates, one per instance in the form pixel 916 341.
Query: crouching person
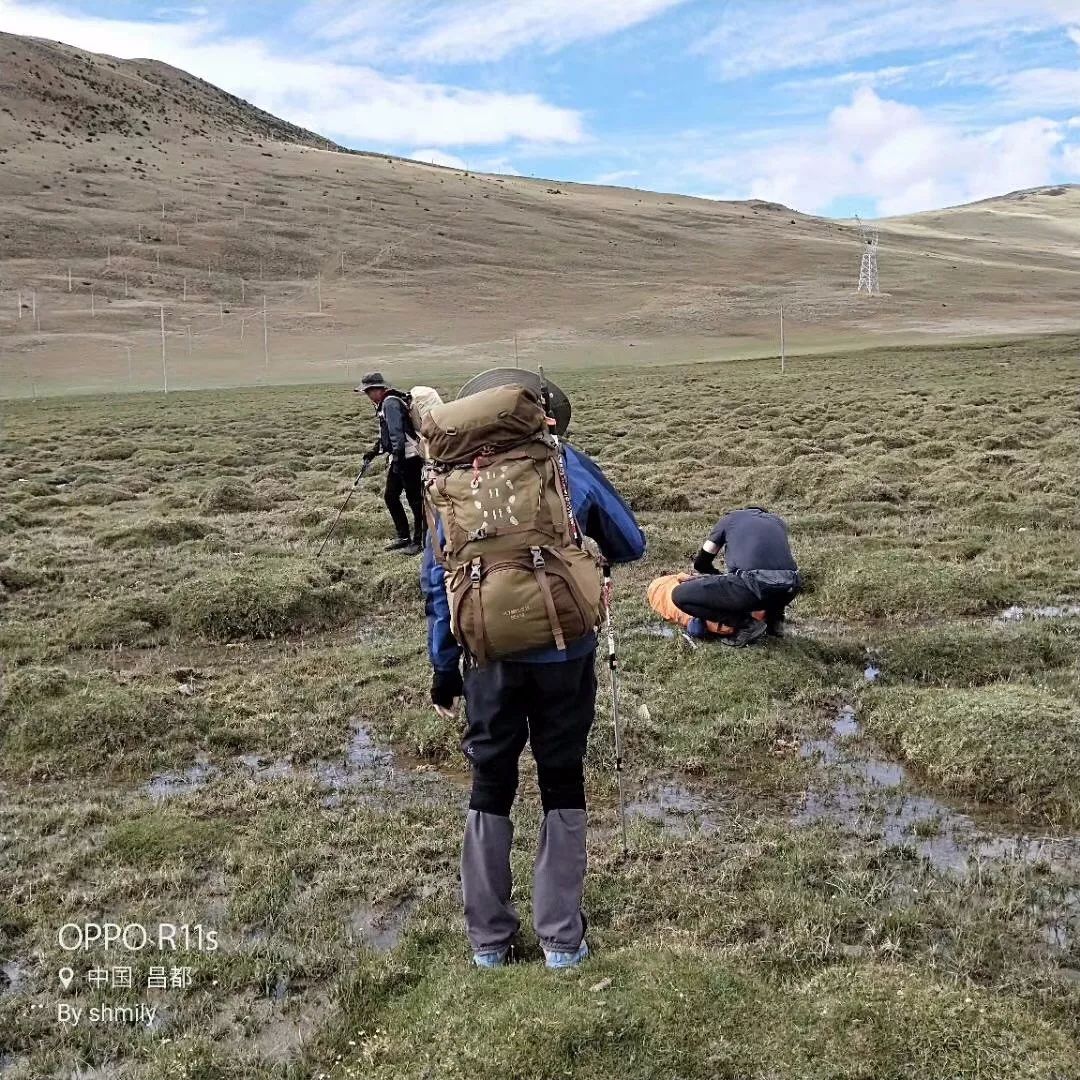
pixel 512 595
pixel 762 578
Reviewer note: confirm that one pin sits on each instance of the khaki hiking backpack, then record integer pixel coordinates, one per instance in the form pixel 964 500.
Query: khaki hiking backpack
pixel 422 399
pixel 516 575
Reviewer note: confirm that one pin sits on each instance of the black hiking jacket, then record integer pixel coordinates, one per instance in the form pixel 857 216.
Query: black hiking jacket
pixel 395 426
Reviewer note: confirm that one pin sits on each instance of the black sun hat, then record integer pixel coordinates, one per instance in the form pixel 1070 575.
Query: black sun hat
pixel 557 401
pixel 373 380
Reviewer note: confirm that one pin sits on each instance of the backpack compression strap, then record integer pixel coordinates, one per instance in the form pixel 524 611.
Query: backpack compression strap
pixel 549 600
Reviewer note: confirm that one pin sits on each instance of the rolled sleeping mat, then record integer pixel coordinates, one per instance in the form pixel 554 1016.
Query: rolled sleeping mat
pixel 558 402
pixel 658 595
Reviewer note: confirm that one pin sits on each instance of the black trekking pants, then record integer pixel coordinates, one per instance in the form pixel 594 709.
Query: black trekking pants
pixel 409 481
pixel 730 598
pixel 550 705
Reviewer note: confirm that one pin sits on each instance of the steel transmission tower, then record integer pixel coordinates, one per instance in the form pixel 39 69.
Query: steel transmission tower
pixel 868 272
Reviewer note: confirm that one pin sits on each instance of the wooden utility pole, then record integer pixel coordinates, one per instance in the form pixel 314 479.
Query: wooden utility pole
pixel 782 359
pixel 164 361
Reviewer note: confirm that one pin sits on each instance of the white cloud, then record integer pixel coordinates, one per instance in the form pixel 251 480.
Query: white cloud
pixel 353 103
pixel 438 157
pixel 616 177
pixel 455 31
pixel 1042 88
pixel 895 156
pixel 775 35
pixel 489 29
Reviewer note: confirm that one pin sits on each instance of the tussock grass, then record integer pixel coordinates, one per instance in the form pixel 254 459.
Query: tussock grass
pixel 122 620
pixel 159 532
pixel 99 495
pixel 56 723
pixel 901 583
pixel 1008 743
pixel 230 495
pixel 259 600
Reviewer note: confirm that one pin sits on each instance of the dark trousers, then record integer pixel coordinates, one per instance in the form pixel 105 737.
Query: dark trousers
pixel 408 480
pixel 550 705
pixel 730 598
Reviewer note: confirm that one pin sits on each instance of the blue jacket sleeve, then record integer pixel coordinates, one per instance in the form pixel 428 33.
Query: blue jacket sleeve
pixel 601 512
pixel 443 650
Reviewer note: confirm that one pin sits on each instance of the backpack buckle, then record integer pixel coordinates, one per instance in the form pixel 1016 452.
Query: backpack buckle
pixel 474 572
pixel 537 558
pixel 478 534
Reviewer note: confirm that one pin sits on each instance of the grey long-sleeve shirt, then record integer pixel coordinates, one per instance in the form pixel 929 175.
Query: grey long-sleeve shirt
pixel 751 539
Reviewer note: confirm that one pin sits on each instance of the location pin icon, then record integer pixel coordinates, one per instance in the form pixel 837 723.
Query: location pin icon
pixel 66 975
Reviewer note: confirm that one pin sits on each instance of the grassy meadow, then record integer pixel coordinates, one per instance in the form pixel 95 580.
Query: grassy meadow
pixel 855 853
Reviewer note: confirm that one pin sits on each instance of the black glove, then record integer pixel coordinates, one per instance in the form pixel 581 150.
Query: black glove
pixel 397 462
pixel 370 456
pixel 703 564
pixel 446 685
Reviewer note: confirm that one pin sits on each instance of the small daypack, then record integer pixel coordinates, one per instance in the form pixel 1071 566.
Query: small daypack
pixel 422 399
pixel 516 575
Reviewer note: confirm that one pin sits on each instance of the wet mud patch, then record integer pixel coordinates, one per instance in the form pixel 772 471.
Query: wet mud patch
pixel 874 798
pixel 380 928
pixel 364 767
pixel 674 808
pixel 1019 613
pixel 275 1026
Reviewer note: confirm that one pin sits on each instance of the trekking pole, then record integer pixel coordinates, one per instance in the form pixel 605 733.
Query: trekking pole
pixel 356 483
pixel 613 667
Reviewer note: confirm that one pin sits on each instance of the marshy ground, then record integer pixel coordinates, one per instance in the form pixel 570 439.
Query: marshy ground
pixel 854 852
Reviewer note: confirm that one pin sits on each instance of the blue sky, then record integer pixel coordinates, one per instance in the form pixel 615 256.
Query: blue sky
pixel 829 106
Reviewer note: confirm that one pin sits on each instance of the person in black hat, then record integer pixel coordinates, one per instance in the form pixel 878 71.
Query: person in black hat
pixel 398 438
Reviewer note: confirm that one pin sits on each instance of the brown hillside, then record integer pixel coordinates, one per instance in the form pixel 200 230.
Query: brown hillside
pixel 412 258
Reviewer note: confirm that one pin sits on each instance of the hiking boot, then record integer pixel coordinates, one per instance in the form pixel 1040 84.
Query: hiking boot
pixel 492 958
pixel 399 544
pixel 775 628
pixel 752 632
pixel 559 960
pixel 413 549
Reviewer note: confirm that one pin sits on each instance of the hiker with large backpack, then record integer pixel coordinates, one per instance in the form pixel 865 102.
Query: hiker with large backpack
pixel 398 437
pixel 514 596
pixel 762 578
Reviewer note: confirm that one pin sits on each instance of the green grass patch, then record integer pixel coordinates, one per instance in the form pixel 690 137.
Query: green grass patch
pixel 259 600
pixel 1011 744
pixel 159 532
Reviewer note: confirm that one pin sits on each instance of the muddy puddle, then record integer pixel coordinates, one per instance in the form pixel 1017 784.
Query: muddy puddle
pixel 169 785
pixel 1018 613
pixel 876 799
pixel 674 808
pixel 363 765
pixel 381 928
pixel 12 977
